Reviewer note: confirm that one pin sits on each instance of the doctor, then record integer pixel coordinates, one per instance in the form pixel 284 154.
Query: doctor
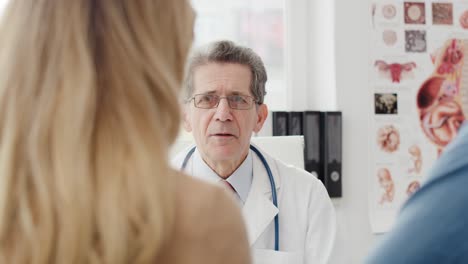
pixel 289 218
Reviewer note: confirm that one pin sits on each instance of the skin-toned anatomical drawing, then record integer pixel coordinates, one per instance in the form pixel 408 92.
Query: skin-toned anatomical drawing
pixel 412 188
pixel 416 159
pixel 394 70
pixel 389 11
pixel 464 19
pixel 438 98
pixel 389 37
pixel 388 138
pixel 415 13
pixel 442 13
pixel 386 182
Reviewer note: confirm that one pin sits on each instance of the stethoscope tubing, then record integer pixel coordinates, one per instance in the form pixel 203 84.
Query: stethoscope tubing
pixel 272 185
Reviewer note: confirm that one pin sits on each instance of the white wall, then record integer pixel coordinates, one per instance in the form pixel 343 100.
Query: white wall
pixel 352 43
pixel 309 53
pixel 309 56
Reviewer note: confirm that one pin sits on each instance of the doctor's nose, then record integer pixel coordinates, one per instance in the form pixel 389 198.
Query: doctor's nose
pixel 223 111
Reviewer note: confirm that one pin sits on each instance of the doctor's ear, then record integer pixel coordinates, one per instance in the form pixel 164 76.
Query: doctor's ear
pixel 262 114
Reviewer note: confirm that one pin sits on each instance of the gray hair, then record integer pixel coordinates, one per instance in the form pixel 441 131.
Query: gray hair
pixel 226 51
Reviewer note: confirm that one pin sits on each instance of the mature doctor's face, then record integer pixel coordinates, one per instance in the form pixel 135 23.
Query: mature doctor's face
pixel 222 134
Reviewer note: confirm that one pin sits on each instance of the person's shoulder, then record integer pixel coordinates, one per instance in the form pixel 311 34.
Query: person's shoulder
pixel 201 195
pixel 206 204
pixel 209 216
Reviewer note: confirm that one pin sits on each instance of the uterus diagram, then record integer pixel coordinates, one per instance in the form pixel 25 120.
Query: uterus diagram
pixel 395 72
pixel 438 98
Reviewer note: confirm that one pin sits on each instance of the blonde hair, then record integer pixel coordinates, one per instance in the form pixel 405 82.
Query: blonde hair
pixel 88 109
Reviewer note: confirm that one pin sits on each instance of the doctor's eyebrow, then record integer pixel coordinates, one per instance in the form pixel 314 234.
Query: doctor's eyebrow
pixel 238 93
pixel 229 93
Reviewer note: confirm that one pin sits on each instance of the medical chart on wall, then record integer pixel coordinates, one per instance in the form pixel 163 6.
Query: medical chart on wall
pixel 416 59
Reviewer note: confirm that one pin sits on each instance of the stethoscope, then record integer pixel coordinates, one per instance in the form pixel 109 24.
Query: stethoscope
pixel 272 184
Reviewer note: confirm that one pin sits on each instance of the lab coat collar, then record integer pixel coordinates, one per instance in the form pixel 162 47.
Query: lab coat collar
pixel 259 211
pixel 240 179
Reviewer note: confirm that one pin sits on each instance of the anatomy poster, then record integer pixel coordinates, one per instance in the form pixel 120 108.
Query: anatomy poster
pixel 417 59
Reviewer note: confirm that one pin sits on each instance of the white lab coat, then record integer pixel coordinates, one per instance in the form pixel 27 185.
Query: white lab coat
pixel 307 222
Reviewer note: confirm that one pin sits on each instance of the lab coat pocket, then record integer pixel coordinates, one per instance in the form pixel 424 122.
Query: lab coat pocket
pixel 268 256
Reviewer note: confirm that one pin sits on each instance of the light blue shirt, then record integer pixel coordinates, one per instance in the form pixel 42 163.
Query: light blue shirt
pixel 241 179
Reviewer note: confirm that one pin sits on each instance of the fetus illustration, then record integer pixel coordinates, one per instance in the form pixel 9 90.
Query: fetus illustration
pixel 464 19
pixel 388 138
pixel 386 183
pixel 415 159
pixel 412 188
pixel 438 98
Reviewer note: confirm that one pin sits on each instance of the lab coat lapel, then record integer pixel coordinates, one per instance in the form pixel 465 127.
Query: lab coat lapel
pixel 259 211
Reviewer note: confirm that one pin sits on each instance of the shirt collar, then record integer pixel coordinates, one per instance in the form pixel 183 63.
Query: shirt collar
pixel 240 179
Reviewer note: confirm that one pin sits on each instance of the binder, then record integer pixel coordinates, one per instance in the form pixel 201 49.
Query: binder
pixel 295 123
pixel 332 152
pixel 280 123
pixel 313 138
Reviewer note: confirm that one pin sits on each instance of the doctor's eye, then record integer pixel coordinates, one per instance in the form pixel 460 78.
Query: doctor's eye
pixel 205 100
pixel 242 102
pixel 239 99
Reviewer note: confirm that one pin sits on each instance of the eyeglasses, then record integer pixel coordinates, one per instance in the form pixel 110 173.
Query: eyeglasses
pixel 235 101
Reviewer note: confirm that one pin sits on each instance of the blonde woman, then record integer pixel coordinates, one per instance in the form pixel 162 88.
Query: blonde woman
pixel 88 109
